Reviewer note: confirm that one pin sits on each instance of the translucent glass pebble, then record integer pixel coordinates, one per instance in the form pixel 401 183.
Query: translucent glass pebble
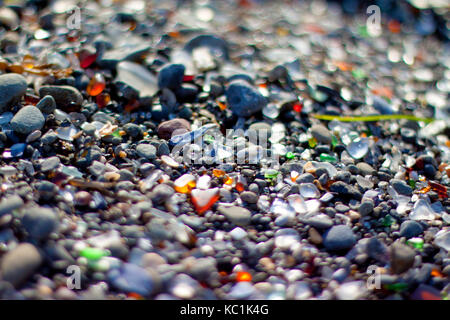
pixel 204 199
pixel 279 149
pixel 363 182
pixel 271 111
pixel 185 183
pixel 169 161
pixel 358 148
pixel 442 239
pixel 422 211
pixel 285 238
pixel 309 190
pixel 67 133
pixel 137 77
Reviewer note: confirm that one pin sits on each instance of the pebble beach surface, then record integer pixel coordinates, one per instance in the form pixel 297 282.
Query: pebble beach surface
pixel 117 182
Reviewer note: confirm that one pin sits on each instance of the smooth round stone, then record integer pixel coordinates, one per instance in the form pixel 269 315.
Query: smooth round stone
pixel 243 99
pixel 305 178
pixel 146 151
pixel 320 221
pixel 321 134
pixel 133 130
pixel 89 128
pixel 365 169
pixel 366 208
pixel 309 190
pixel 358 148
pixel 47 104
pixel 410 229
pixel 402 258
pixel 12 87
pixel 66 97
pixel 171 76
pixel 20 263
pixel 27 120
pixel 131 278
pixel 344 189
pixel 238 234
pixel 401 187
pixel 40 222
pixel 168 128
pixel 339 238
pixel 249 197
pixel 236 215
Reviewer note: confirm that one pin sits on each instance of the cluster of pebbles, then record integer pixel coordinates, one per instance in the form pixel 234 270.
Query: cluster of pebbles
pixel 90 98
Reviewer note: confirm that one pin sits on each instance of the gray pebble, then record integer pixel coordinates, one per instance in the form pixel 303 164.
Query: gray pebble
pixel 40 222
pixel 146 151
pixel 401 187
pixel 366 208
pixel 249 197
pixel 66 97
pixel 12 87
pixel 27 120
pixel 365 169
pixel 47 104
pixel 243 99
pixel 237 215
pixel 338 238
pixel 321 133
pixel 171 76
pixel 410 228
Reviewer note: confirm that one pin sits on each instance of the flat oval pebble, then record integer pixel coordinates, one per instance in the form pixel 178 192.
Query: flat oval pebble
pixel 20 263
pixel 66 97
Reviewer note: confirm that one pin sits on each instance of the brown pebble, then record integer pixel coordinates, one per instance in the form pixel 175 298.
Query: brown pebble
pixel 314 236
pixel 178 126
pixel 83 198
